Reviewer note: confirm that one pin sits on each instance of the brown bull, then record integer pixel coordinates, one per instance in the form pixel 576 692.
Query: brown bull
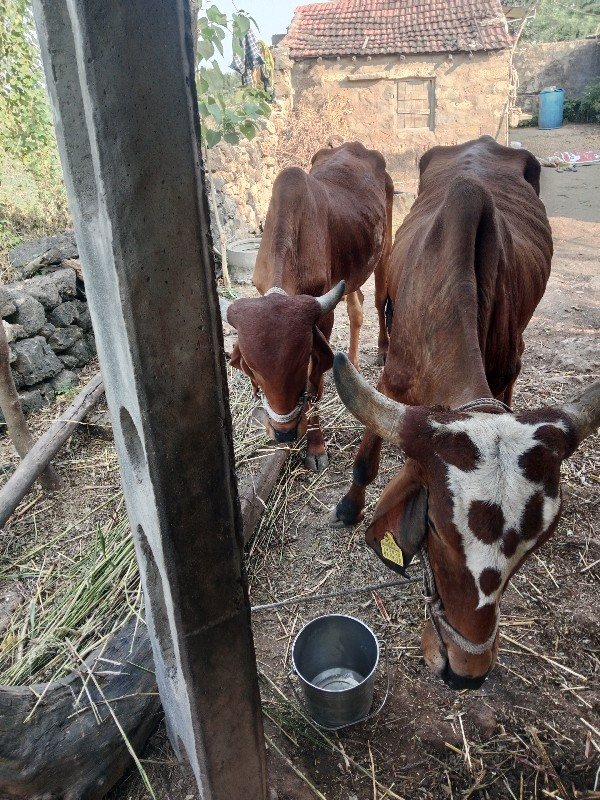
pixel 480 489
pixel 325 232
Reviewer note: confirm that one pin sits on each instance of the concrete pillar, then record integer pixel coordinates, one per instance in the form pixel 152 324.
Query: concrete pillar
pixel 121 81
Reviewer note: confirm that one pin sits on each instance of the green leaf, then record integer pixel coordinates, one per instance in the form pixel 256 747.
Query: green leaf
pixel 237 47
pixel 233 118
pixel 205 49
pixel 211 137
pixel 241 25
pixel 214 111
pixel 251 107
pixel 231 137
pixel 216 16
pixel 248 129
pixel 215 80
pixel 201 84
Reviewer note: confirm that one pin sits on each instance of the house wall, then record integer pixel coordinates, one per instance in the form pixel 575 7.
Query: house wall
pixel 571 66
pixel 470 100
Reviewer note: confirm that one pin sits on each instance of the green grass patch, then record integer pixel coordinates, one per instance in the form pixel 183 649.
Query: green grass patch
pixel 31 206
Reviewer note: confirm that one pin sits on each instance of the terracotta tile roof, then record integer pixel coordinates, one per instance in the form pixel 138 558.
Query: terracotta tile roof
pixel 376 27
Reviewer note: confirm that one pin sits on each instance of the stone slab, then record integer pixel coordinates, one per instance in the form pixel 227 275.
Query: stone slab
pixel 63 245
pixel 34 361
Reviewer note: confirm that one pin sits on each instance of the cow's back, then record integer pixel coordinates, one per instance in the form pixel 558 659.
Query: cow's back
pixel 508 259
pixel 328 224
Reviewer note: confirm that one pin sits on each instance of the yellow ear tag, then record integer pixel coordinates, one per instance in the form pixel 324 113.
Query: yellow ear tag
pixel 390 550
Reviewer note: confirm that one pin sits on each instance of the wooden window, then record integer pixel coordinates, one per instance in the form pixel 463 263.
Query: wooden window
pixel 416 103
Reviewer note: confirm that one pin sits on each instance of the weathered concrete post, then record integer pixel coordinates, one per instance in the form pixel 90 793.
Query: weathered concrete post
pixel 121 80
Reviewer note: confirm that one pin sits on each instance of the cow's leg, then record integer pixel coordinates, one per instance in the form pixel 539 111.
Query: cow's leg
pixel 507 395
pixel 381 299
pixel 508 392
pixel 381 276
pixel 349 510
pixel 354 303
pixel 316 454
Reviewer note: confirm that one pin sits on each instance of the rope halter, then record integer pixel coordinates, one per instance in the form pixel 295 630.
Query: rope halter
pixel 283 418
pixel 276 290
pixel 485 402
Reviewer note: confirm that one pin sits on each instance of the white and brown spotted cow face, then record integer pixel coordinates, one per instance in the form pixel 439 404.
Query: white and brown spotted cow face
pixel 479 492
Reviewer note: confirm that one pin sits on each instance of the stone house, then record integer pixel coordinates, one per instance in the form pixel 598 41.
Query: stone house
pixel 414 73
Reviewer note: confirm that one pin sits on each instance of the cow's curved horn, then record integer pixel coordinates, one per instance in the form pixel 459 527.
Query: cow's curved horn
pixel 382 415
pixel 330 300
pixel 585 412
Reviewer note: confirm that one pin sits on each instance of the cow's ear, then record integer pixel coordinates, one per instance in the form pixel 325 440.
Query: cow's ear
pixel 532 172
pixel 321 353
pixel 399 523
pixel 230 313
pixel 236 356
pixel 584 414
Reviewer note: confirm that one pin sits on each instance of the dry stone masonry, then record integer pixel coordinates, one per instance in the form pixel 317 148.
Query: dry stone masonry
pixel 244 176
pixel 46 320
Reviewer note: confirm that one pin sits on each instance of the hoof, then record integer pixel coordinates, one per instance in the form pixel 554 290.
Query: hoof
pixel 316 462
pixel 380 360
pixel 334 522
pixel 343 517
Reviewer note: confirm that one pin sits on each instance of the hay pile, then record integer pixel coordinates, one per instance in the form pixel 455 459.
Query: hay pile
pixel 307 129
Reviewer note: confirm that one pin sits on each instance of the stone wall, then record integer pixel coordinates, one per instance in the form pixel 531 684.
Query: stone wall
pixel 469 98
pixel 47 323
pixel 571 66
pixel 244 175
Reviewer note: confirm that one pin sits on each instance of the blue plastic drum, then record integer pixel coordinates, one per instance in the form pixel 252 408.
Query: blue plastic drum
pixel 551 109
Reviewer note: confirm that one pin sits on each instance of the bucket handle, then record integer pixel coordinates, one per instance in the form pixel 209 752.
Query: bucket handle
pixel 356 722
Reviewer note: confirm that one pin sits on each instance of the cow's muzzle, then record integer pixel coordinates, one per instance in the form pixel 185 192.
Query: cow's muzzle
pixel 457 669
pixel 261 419
pixel 457 682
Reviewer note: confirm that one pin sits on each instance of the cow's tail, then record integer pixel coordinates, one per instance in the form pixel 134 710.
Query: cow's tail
pixel 389 313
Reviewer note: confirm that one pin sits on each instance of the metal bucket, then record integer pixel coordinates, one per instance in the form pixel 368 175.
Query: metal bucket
pixel 335 658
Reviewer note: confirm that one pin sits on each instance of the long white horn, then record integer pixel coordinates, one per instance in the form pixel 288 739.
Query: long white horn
pixel 380 414
pixel 585 412
pixel 330 300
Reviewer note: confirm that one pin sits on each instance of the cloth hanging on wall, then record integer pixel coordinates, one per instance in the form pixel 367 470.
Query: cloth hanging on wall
pixel 252 59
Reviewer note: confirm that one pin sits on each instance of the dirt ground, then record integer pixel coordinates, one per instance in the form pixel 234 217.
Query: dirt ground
pixel 533 729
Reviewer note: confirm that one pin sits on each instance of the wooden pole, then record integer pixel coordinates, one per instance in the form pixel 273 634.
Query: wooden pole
pixel 52 745
pixel 44 450
pixel 255 492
